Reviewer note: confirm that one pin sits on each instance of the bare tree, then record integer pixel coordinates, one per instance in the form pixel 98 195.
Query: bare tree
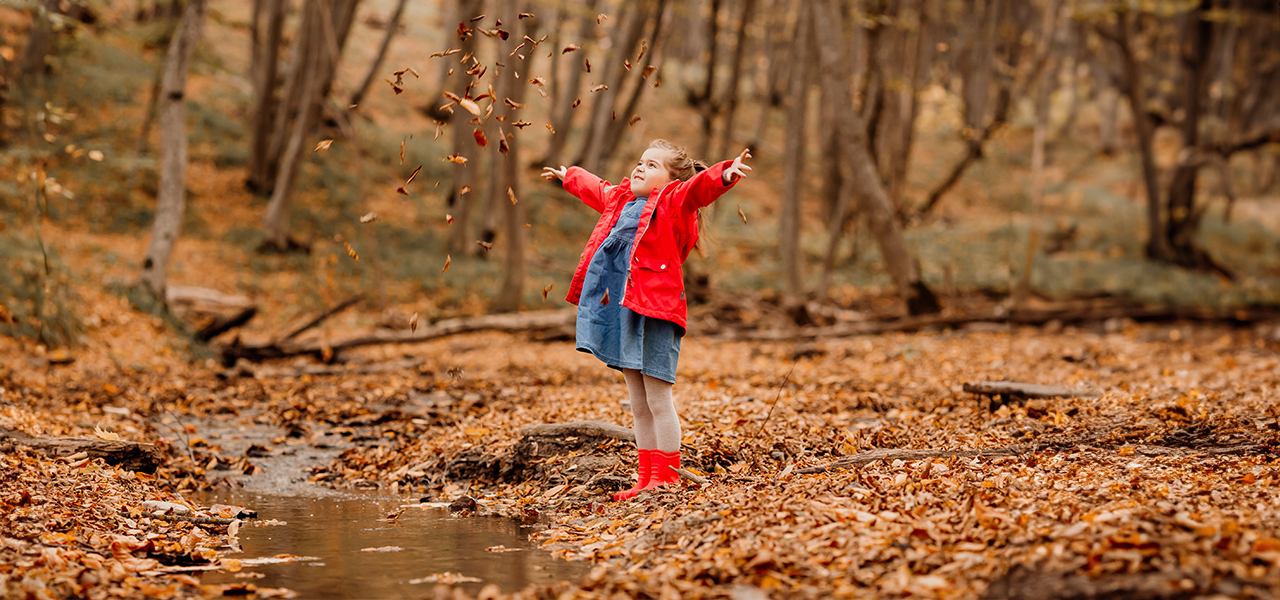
pixel 393 24
pixel 873 200
pixel 511 295
pixel 265 61
pixel 171 199
pixel 462 176
pixel 797 120
pixel 323 31
pixel 565 94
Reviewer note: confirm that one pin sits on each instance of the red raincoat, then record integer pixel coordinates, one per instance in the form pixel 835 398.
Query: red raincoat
pixel 666 234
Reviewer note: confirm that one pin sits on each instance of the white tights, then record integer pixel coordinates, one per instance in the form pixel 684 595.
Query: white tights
pixel 656 424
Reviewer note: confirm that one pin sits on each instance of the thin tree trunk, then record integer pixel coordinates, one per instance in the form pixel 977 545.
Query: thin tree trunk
pixel 874 201
pixel 286 109
pixel 564 97
pixel 624 43
pixel 266 59
pixel 1157 246
pixel 276 218
pixel 789 222
pixel 392 25
pixel 1182 217
pixel 1046 78
pixel 778 55
pixel 735 79
pixel 171 199
pixel 613 135
pixel 511 295
pixel 704 101
pixel 462 176
pixel 39 41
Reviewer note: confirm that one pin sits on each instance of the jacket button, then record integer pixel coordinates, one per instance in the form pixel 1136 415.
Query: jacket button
pixel 664 266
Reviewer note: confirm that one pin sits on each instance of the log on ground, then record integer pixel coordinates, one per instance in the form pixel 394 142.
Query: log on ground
pixel 134 456
pixel 1018 389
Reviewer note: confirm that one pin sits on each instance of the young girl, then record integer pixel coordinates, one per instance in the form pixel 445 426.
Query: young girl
pixel 629 286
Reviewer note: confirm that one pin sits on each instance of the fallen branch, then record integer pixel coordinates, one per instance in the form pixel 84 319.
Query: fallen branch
pixel 870 456
pixel 226 323
pixel 687 474
pixel 196 520
pixel 1072 313
pixel 1017 389
pixel 529 321
pixel 134 456
pixel 341 306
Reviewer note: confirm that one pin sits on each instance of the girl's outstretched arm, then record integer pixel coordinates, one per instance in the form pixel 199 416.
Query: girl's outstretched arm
pixel 705 187
pixel 581 183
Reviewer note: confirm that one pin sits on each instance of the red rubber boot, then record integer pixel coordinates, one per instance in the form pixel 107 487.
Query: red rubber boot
pixel 645 460
pixel 663 469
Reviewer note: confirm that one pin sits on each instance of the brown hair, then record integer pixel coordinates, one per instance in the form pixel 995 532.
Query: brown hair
pixel 679 165
pixel 682 167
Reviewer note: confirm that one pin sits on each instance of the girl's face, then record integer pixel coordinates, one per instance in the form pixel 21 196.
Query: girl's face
pixel 651 172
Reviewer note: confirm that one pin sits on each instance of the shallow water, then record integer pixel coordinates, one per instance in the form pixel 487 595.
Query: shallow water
pixel 335 529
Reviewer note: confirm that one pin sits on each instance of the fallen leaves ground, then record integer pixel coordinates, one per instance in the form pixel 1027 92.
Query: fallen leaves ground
pixel 1164 484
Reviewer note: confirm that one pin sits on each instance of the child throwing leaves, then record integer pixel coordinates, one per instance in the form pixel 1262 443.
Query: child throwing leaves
pixel 629 285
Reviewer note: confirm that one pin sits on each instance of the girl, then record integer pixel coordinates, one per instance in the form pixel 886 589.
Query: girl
pixel 629 288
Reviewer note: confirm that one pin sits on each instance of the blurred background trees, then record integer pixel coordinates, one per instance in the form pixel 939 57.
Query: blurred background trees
pixel 881 129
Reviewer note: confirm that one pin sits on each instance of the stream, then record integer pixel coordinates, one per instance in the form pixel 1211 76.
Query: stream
pixel 344 547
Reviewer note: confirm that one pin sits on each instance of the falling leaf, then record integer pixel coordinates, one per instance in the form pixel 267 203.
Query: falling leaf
pixel 481 140
pixel 446 52
pixel 413 323
pixel 521 124
pixel 644 47
pixel 538 81
pixel 586 63
pixel 401 73
pixel 456 158
pixel 517 49
pixel 439 127
pixel 613 116
pixel 110 436
pixel 323 145
pixel 448 218
pixel 626 64
pixel 96 155
pixel 502 33
pixel 570 48
pixel 447 261
pixel 604 301
pixel 551 129
pixel 657 81
pixel 465 32
pixel 511 194
pixel 633 119
pixel 648 71
pixel 486 245
pixel 546 290
pixel 599 88
pixel 743 215
pixel 350 251
pixel 413 174
pixel 370 217
pixel 601 17
pixel 503 147
pixel 461 191
pixel 396 88
pixel 477 18
pixel 512 103
pixel 525 16
pixel 402 152
pixel 576 103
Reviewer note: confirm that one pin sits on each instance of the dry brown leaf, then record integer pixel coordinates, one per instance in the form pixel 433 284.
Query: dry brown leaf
pixel 323 145
pixel 462 191
pixel 633 119
pixel 525 16
pixel 512 103
pixel 413 327
pixel 481 140
pixel 456 158
pixel 110 436
pixel 599 88
pixel 551 129
pixel 546 290
pixel 743 215
pixel 511 194
pixel 570 48
pixel 350 251
pixel 447 261
pixel 521 124
pixel 369 217
pixel 604 300
pixel 601 17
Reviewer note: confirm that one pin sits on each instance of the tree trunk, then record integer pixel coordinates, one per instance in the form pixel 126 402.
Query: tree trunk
pixel 797 119
pixel 735 78
pixel 511 295
pixel 874 201
pixel 39 40
pixel 564 97
pixel 392 25
pixel 1157 246
pixel 312 76
pixel 171 198
pixel 777 53
pixel 1182 217
pixel 624 41
pixel 613 134
pixel 1046 78
pixel 704 101
pixel 266 59
pixel 462 176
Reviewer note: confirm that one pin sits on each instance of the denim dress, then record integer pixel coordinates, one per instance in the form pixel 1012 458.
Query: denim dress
pixel 615 334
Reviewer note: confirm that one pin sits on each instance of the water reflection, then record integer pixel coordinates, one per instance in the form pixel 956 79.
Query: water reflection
pixel 336 528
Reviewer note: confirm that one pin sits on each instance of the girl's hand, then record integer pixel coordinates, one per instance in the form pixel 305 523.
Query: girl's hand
pixel 550 173
pixel 738 169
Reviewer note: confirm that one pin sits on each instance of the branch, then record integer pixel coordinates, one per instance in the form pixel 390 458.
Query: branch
pixel 325 315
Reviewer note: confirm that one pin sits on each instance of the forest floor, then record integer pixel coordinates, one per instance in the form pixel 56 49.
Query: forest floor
pixel 1161 486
